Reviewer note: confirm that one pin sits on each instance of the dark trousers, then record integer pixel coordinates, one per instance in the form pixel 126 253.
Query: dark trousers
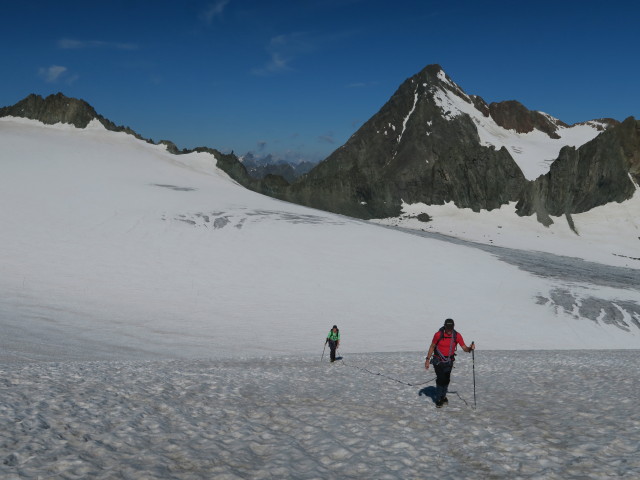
pixel 332 347
pixel 443 377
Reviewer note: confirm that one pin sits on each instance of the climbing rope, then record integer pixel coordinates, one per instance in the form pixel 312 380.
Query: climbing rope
pixel 379 374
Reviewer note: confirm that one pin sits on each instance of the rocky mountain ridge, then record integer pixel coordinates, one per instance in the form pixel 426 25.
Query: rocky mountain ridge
pixel 604 170
pixel 58 108
pixel 432 143
pixel 259 167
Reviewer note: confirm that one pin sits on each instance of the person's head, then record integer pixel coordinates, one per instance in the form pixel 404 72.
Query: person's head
pixel 334 328
pixel 448 324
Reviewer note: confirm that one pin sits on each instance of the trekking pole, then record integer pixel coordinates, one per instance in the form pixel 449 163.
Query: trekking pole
pixel 325 347
pixel 473 359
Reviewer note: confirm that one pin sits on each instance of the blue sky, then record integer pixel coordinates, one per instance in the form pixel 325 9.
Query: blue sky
pixel 298 78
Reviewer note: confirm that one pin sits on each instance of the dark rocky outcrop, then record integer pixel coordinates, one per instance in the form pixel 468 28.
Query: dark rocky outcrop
pixel 512 115
pixel 59 108
pixel 229 163
pixel 601 171
pixel 54 109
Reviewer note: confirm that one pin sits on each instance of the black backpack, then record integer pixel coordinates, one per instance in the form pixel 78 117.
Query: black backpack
pixel 455 335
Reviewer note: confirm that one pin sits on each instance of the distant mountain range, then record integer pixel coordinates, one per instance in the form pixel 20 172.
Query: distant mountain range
pixel 259 167
pixel 432 143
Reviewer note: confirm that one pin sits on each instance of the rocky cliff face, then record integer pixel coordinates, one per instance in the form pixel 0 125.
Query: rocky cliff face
pixel 512 115
pixel 53 109
pixel 606 169
pixel 412 151
pixel 433 143
pixel 59 108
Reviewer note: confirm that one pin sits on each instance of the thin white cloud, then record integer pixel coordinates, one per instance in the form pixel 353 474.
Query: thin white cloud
pixel 283 50
pixel 53 73
pixel 72 44
pixel 57 74
pixel 213 10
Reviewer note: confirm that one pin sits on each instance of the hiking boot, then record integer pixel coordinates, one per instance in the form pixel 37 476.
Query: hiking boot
pixel 445 401
pixel 439 403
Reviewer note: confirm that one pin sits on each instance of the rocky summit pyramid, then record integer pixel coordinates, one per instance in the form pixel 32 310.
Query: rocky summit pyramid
pixel 432 143
pixel 416 151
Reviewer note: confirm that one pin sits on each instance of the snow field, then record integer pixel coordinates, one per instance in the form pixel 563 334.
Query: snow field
pixel 609 234
pixel 552 415
pixel 147 303
pixel 115 249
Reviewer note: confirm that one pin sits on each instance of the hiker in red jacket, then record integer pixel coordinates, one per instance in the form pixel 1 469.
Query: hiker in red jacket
pixel 442 355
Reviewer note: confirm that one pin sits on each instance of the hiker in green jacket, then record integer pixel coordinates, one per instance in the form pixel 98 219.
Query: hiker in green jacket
pixel 333 338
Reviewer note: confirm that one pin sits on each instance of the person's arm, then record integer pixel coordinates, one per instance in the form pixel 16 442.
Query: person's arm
pixel 469 348
pixel 429 355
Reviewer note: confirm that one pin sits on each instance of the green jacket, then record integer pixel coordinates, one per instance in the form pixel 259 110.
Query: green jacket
pixel 333 336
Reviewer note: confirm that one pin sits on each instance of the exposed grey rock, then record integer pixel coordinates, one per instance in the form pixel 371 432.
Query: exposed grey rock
pixel 409 151
pixel 512 115
pixel 229 163
pixel 59 108
pixel 412 151
pixel 599 172
pixel 171 147
pixel 54 109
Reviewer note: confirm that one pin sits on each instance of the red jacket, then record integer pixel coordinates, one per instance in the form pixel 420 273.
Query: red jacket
pixel 444 346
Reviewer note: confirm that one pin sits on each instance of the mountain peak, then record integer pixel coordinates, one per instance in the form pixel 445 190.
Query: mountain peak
pixel 434 69
pixel 432 143
pixel 434 74
pixel 58 108
pixel 55 108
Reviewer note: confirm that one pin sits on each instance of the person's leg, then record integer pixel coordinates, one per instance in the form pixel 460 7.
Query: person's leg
pixel 443 377
pixel 440 383
pixel 446 379
pixel 332 348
